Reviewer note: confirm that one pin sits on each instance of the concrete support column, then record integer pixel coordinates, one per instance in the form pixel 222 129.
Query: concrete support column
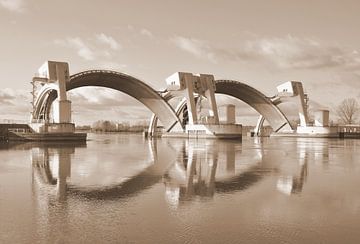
pixel 190 99
pixel 64 105
pixel 303 115
pixel 208 83
pixel 210 94
pixel 230 114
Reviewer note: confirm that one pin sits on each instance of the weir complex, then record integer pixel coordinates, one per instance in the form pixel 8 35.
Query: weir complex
pixel 194 115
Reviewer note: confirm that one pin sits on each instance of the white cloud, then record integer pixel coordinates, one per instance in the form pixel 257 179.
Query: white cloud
pixel 198 48
pixel 147 33
pixel 90 49
pixel 88 105
pixel 288 52
pixel 14 105
pixel 82 49
pixel 108 40
pixel 299 53
pixel 110 65
pixel 13 5
pixel 91 104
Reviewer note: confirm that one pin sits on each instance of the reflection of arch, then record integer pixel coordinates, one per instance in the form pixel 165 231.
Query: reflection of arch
pixel 256 100
pixel 118 81
pixel 161 159
pixel 194 172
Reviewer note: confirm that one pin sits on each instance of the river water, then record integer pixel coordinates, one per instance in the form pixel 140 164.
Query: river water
pixel 120 188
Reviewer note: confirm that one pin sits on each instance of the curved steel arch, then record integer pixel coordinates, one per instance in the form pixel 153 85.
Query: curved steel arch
pixel 124 83
pixel 257 100
pixel 276 100
pixel 178 110
pixel 41 108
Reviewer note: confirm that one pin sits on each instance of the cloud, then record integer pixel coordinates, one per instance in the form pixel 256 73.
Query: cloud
pixel 94 104
pixel 108 40
pixel 298 53
pixel 88 105
pixel 110 65
pixel 147 33
pixel 288 52
pixel 6 97
pixel 14 105
pixel 13 5
pixel 13 97
pixel 91 98
pixel 198 48
pixel 83 50
pixel 90 49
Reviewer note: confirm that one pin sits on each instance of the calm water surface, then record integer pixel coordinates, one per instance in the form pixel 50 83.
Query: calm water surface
pixel 125 189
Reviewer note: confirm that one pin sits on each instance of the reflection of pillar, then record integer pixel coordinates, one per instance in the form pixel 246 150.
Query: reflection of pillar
pixel 64 171
pixel 212 165
pixel 190 171
pixel 230 157
pixel 298 181
pixel 51 166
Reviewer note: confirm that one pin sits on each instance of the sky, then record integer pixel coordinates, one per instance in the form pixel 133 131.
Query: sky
pixel 261 43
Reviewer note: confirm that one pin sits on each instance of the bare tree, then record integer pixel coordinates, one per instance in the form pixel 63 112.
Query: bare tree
pixel 348 110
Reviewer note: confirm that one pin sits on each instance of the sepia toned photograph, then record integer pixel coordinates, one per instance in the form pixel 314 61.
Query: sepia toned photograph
pixel 171 122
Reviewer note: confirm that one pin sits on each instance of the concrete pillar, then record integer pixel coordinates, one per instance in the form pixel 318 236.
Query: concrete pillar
pixel 303 115
pixel 64 112
pixel 190 99
pixel 208 83
pixel 61 79
pixel 58 73
pixel 295 89
pixel 230 114
pixel 322 118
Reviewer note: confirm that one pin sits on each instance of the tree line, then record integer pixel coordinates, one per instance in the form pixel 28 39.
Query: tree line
pixel 348 112
pixel 112 126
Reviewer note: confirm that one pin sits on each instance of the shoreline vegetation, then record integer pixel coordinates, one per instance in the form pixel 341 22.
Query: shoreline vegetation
pixel 102 126
pixel 106 126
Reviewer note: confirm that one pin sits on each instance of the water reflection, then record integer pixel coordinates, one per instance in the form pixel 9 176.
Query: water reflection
pixel 306 150
pixel 52 166
pixel 204 168
pixel 189 169
pixel 178 186
pixel 193 173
